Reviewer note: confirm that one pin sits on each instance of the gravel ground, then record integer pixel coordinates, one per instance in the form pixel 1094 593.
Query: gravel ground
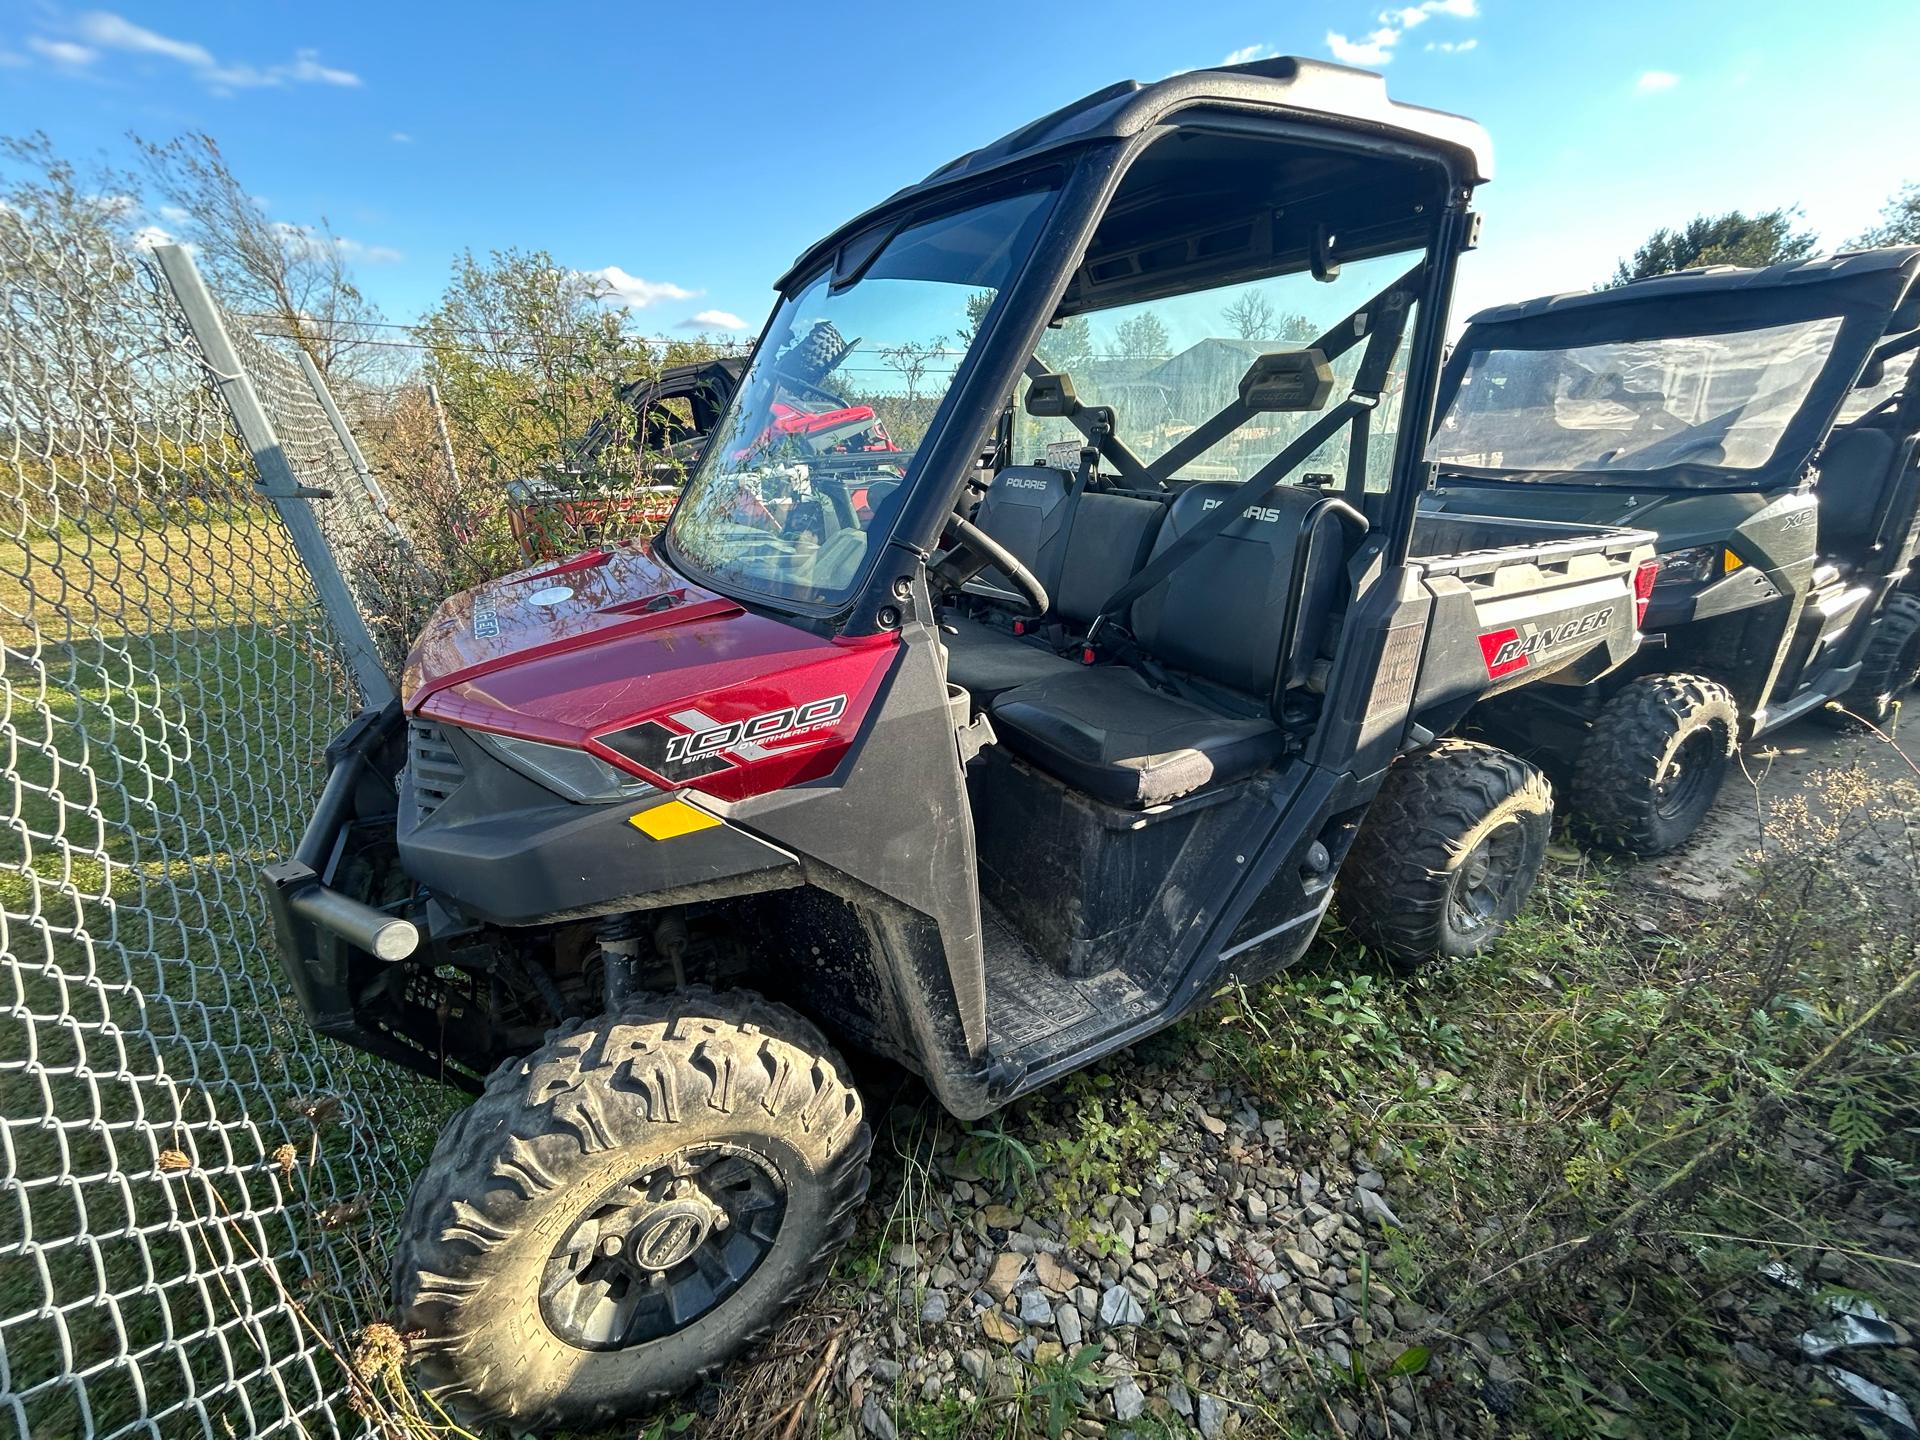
pixel 1249 1257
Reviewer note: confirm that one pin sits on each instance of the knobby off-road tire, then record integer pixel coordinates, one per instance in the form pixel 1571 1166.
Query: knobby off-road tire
pixel 502 1253
pixel 1450 848
pixel 1891 666
pixel 811 359
pixel 1653 763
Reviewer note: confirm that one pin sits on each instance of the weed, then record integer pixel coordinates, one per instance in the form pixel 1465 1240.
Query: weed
pixel 1060 1385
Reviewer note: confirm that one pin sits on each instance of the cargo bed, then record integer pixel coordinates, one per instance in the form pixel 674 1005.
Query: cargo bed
pixel 1519 601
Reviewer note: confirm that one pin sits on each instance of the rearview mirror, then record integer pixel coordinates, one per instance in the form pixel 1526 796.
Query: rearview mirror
pixel 1051 397
pixel 1288 380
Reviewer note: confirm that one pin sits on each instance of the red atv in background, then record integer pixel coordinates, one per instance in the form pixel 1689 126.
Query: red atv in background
pixel 672 415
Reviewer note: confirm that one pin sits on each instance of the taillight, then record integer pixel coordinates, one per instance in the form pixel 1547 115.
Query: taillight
pixel 1643 589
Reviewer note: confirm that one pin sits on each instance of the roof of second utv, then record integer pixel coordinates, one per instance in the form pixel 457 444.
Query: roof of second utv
pixel 1853 265
pixel 1872 292
pixel 1310 89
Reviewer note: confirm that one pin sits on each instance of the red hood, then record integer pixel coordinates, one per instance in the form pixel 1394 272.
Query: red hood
pixel 635 657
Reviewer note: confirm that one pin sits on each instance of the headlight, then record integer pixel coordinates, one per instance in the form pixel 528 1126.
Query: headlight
pixel 1689 566
pixel 565 770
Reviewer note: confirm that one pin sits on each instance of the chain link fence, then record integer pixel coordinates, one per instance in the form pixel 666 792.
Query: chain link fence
pixel 194 1189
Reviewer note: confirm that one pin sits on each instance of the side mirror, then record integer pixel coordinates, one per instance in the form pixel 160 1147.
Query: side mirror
pixel 1872 375
pixel 1051 397
pixel 1287 380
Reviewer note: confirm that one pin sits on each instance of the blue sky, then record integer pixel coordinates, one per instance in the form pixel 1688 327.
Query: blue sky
pixel 697 148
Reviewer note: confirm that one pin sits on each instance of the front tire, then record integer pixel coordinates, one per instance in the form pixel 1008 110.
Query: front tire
pixel 1654 762
pixel 626 1208
pixel 1891 666
pixel 1449 850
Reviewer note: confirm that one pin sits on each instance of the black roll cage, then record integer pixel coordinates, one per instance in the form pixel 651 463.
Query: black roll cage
pixel 1090 176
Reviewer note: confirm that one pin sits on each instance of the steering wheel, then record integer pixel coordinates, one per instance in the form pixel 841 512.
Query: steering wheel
pixel 989 551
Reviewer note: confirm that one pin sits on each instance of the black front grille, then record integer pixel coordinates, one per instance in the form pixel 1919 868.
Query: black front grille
pixel 433 769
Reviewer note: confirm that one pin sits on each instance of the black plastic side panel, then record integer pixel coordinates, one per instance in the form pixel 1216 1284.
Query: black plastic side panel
pixel 895 821
pixel 1370 692
pixel 1079 879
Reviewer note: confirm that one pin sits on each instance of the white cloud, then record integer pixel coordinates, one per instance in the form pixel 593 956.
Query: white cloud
pixel 112 32
pixel 371 254
pixel 713 320
pixel 1376 47
pixel 400 137
pixel 1373 49
pixel 637 292
pixel 107 31
pixel 63 51
pixel 306 69
pixel 1452 47
pixel 148 236
pixel 1244 54
pixel 1654 81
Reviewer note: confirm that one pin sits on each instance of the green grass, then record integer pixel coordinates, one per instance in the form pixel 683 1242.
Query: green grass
pixel 166 700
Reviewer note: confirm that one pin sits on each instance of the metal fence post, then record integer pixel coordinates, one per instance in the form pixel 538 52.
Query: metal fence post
pixel 277 482
pixel 352 447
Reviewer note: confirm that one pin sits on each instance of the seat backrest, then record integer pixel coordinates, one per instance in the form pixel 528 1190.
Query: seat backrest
pixel 1854 472
pixel 1025 509
pixel 1220 615
pixel 1111 538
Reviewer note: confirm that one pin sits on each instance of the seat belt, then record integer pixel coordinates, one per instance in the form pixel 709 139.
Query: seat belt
pixel 1338 339
pixel 1370 380
pixel 1246 493
pixel 1089 456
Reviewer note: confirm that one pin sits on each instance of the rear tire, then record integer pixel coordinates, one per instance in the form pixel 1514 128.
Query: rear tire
pixel 627 1207
pixel 1653 763
pixel 1891 666
pixel 1449 850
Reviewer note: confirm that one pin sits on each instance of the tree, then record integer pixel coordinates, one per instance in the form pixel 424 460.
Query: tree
pixel 1734 238
pixel 70 286
pixel 528 355
pixel 1141 338
pixel 294 276
pixel 1250 316
pixel 978 304
pixel 1068 348
pixel 1899 221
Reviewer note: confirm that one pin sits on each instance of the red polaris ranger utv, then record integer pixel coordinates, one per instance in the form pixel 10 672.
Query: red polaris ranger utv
pixel 987 767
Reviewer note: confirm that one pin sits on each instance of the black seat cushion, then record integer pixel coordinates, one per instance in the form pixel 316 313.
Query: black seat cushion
pixel 1104 730
pixel 987 661
pixel 1853 477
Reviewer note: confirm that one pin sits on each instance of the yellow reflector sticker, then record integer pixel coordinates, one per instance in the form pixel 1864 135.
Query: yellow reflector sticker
pixel 1734 562
pixel 676 817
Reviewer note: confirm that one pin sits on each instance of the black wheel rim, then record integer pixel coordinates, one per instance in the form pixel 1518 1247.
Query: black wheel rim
pixel 1484 879
pixel 1683 781
pixel 663 1247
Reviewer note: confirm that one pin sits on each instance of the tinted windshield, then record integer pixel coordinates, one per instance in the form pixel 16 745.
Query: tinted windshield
pixel 1637 405
pixel 1166 366
pixel 812 456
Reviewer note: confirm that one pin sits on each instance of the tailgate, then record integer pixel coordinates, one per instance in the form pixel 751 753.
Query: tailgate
pixel 1517 601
